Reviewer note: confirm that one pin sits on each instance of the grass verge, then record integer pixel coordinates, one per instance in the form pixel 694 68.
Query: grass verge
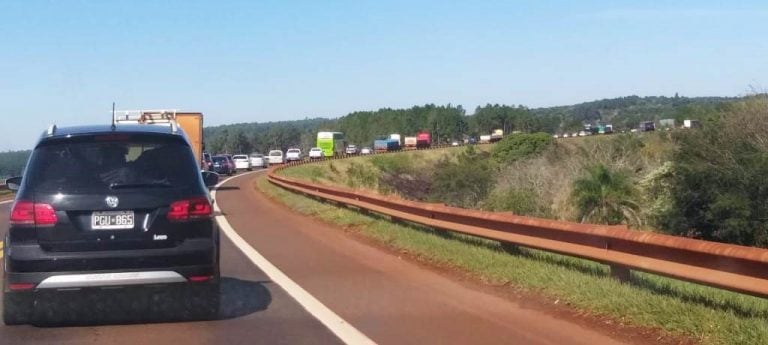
pixel 708 315
pixel 6 195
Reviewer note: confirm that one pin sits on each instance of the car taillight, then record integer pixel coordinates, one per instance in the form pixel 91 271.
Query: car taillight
pixel 184 210
pixel 29 213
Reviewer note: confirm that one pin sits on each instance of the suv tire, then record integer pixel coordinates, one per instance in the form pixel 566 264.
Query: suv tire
pixel 17 307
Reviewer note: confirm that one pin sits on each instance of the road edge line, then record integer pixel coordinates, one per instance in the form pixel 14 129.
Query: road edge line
pixel 337 325
pixel 6 201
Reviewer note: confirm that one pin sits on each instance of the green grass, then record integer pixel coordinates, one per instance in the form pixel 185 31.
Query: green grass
pixel 333 173
pixel 5 194
pixel 708 315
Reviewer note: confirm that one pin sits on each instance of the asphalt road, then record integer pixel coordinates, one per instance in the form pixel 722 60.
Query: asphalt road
pixel 389 300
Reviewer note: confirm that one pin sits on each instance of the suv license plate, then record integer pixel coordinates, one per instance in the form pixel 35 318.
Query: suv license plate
pixel 111 220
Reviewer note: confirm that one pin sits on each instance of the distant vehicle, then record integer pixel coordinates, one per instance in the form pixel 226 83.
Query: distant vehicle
pixel 275 157
pixel 496 135
pixel 583 133
pixel 258 160
pixel 332 143
pixel 222 165
pixel 555 136
pixel 423 140
pixel 484 139
pixel 472 140
pixel 397 137
pixel 242 162
pixel 384 145
pixel 351 150
pixel 207 162
pixel 565 135
pixel 633 130
pixel 605 129
pixel 454 143
pixel 667 123
pixel 691 124
pixel 293 155
pixel 647 126
pixel 410 142
pixel 111 206
pixel 366 151
pixel 315 153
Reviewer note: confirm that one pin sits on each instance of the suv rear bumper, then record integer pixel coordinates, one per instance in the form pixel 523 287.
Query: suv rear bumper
pixel 109 278
pixel 31 264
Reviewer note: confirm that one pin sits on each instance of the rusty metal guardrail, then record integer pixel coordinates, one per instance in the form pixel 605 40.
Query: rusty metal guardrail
pixel 731 267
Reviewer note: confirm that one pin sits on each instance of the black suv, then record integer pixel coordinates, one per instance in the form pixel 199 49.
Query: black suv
pixel 109 207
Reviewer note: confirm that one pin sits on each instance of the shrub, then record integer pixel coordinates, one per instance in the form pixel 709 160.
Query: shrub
pixel 393 164
pixel 517 146
pixel 360 175
pixel 605 196
pixel 520 201
pixel 718 178
pixel 464 181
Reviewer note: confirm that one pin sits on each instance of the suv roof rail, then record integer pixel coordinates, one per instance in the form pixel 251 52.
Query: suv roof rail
pixel 51 130
pixel 147 116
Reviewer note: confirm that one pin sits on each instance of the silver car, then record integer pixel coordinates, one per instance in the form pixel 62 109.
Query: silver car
pixel 258 160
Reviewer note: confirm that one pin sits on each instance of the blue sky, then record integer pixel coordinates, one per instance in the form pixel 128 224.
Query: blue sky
pixel 66 61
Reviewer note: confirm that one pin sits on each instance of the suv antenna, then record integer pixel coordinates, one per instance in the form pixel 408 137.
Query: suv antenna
pixel 113 116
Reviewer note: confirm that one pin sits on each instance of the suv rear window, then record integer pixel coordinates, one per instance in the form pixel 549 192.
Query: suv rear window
pixel 294 151
pixel 240 157
pixel 94 166
pixel 275 153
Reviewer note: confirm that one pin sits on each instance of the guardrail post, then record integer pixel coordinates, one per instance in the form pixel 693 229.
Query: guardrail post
pixel 620 273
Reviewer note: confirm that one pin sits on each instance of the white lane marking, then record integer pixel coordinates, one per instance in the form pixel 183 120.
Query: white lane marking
pixel 5 202
pixel 341 328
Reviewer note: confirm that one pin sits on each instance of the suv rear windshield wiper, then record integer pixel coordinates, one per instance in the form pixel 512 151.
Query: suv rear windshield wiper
pixel 140 185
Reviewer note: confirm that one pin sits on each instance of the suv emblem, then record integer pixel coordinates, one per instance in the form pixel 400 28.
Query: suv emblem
pixel 112 201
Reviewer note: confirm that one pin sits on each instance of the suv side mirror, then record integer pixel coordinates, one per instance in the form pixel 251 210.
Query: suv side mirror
pixel 210 178
pixel 13 183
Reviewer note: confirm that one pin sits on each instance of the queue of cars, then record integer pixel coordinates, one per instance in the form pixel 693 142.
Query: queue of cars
pixel 225 164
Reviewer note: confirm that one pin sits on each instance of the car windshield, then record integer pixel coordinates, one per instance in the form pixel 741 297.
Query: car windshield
pixel 294 151
pixel 93 166
pixel 257 156
pixel 275 153
pixel 219 159
pixel 240 157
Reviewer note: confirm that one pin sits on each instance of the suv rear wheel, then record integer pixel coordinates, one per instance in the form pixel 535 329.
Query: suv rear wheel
pixel 17 307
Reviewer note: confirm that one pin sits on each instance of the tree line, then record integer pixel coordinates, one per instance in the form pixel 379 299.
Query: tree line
pixel 445 122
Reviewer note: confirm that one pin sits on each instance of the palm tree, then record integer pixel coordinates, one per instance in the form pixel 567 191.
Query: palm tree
pixel 605 196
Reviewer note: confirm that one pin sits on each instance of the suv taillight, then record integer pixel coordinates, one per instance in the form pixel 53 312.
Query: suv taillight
pixel 194 208
pixel 29 213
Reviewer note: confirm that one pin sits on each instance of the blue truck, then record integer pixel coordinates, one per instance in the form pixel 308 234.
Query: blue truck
pixel 385 145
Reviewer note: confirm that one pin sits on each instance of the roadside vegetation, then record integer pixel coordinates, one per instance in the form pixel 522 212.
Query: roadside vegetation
pixel 706 183
pixel 707 315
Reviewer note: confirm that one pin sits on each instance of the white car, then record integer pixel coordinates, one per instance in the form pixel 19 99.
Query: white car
pixel 242 162
pixel 315 153
pixel 454 143
pixel 351 150
pixel 258 160
pixel 293 155
pixel 276 157
pixel 366 151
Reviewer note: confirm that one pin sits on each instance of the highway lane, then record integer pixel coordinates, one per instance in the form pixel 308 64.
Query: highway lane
pixel 254 310
pixel 392 301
